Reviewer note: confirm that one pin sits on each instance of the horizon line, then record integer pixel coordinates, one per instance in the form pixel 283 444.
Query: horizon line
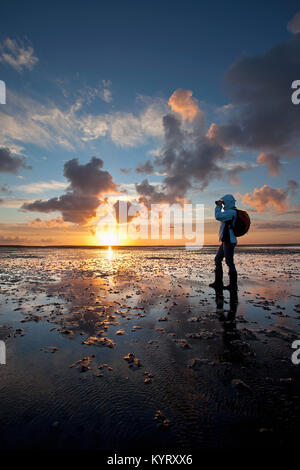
pixel 139 246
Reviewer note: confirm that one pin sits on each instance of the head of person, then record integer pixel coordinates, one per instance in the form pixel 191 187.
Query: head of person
pixel 228 201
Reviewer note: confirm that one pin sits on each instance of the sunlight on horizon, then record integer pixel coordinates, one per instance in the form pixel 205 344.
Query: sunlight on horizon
pixel 108 237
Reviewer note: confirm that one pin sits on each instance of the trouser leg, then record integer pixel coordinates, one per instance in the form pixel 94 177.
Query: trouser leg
pixel 218 268
pixel 219 256
pixel 228 249
pixel 229 258
pixel 218 262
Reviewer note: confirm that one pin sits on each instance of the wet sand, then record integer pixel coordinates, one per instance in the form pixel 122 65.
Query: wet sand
pixel 131 350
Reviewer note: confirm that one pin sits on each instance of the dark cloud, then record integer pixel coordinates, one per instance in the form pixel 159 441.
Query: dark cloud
pixel 89 179
pixel 73 207
pixel 150 195
pixel 187 158
pixel 146 168
pixel 264 117
pixel 292 186
pixel 271 161
pixel 11 164
pixel 87 183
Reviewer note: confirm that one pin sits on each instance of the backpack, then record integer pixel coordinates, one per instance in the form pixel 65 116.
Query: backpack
pixel 242 223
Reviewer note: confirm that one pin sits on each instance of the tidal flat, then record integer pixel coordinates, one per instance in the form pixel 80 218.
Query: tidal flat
pixel 129 349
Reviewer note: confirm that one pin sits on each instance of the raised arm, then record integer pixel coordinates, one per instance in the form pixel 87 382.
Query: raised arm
pixel 223 216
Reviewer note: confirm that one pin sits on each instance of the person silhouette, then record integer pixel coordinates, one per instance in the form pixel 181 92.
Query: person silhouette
pixel 225 212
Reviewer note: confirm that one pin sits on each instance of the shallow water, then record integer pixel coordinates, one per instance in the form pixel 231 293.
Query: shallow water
pixel 59 306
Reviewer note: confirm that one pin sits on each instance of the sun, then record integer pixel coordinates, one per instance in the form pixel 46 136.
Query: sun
pixel 108 237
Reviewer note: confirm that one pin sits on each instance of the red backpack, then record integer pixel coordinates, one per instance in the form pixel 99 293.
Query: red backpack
pixel 242 223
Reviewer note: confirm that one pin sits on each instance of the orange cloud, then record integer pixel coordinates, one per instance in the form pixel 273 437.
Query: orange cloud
pixel 266 198
pixel 51 223
pixel 181 102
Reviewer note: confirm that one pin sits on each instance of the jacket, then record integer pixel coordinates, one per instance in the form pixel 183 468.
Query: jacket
pixel 228 214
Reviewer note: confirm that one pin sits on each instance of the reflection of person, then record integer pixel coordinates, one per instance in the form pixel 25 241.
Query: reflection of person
pixel 232 351
pixel 225 212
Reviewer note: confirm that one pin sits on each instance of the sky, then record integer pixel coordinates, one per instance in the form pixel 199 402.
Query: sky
pixel 149 103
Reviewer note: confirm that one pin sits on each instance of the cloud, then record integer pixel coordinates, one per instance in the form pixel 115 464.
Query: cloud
pixel 17 54
pixel 26 120
pixel 14 203
pixel 106 93
pixel 11 164
pixel 89 178
pixel 271 161
pixel 267 197
pixel 129 189
pixel 284 224
pixel 263 117
pixel 234 168
pixel 146 167
pixel 56 222
pixel 74 207
pixel 233 174
pixel 85 93
pixel 151 117
pixel 149 194
pixel 87 183
pixel 294 24
pixel 130 130
pixel 125 129
pixel 41 186
pixel 186 158
pixel 182 102
pixel 292 186
pixel 294 211
pixel 4 239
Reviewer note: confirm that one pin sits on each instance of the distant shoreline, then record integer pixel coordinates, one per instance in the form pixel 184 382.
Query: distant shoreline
pixel 118 247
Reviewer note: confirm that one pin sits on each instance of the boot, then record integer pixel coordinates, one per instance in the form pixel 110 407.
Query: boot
pixel 218 284
pixel 232 286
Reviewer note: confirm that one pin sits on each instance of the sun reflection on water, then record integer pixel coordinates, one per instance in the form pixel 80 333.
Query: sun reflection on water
pixel 109 253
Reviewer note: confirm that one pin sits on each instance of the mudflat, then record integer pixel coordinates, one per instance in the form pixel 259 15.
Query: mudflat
pixel 130 349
